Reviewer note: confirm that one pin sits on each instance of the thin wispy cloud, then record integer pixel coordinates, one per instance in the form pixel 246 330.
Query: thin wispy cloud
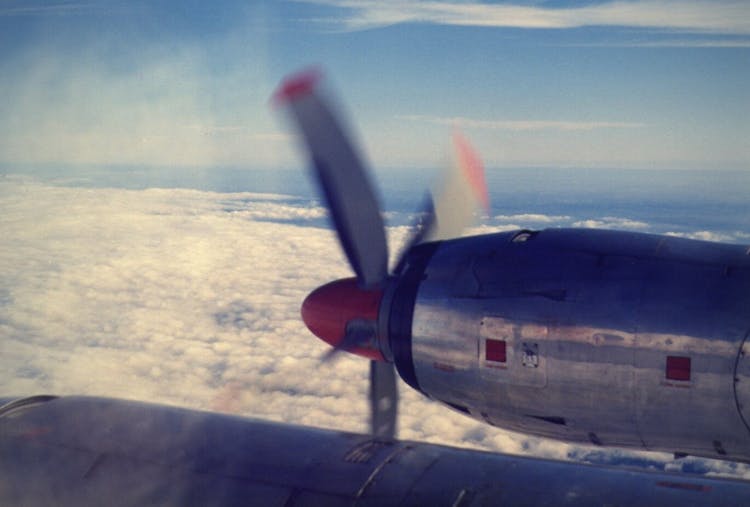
pixel 730 17
pixel 669 43
pixel 520 125
pixel 42 9
pixel 695 44
pixel 237 130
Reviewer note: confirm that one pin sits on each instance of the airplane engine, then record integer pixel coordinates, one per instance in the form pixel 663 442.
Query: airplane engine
pixel 614 338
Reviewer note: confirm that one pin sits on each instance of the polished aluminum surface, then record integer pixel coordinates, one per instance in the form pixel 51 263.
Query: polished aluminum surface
pixel 589 319
pixel 75 451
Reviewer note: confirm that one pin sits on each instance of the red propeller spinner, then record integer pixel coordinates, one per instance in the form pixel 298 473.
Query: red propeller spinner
pixel 345 316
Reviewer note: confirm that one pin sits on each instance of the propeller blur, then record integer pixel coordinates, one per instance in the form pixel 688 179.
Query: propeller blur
pixel 347 314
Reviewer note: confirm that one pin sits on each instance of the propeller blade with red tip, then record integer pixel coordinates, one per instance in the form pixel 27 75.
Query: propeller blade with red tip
pixel 341 176
pixel 344 313
pixel 451 207
pixel 462 193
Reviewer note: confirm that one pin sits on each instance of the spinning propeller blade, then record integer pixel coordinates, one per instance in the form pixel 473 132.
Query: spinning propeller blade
pixel 345 313
pixel 463 191
pixel 341 177
pixel 383 400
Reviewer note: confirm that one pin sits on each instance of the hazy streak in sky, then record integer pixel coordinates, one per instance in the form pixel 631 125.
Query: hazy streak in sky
pixel 728 16
pixel 521 125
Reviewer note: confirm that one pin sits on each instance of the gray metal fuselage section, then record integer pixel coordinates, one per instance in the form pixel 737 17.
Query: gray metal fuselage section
pixel 614 338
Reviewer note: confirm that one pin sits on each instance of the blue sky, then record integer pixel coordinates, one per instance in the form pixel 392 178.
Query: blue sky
pixel 641 84
pixel 123 293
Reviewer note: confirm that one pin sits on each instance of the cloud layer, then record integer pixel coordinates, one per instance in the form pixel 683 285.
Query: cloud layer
pixel 192 298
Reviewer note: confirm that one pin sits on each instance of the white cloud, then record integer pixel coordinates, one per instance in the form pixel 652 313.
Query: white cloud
pixel 728 16
pixel 611 223
pixel 532 217
pixel 177 296
pixel 190 298
pixel 521 125
pixel 704 236
pixel 490 229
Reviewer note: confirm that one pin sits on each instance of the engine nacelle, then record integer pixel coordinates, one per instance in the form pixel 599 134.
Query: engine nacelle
pixel 614 338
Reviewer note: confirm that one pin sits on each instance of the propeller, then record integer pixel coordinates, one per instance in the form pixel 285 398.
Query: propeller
pixel 341 177
pixel 346 313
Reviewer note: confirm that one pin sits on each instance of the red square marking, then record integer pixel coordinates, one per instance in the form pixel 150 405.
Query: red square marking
pixel 494 350
pixel 678 368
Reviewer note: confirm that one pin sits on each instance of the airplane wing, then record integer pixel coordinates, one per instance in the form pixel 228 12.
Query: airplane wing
pixel 82 451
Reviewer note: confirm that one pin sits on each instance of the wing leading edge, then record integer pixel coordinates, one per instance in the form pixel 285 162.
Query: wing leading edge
pixel 79 450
